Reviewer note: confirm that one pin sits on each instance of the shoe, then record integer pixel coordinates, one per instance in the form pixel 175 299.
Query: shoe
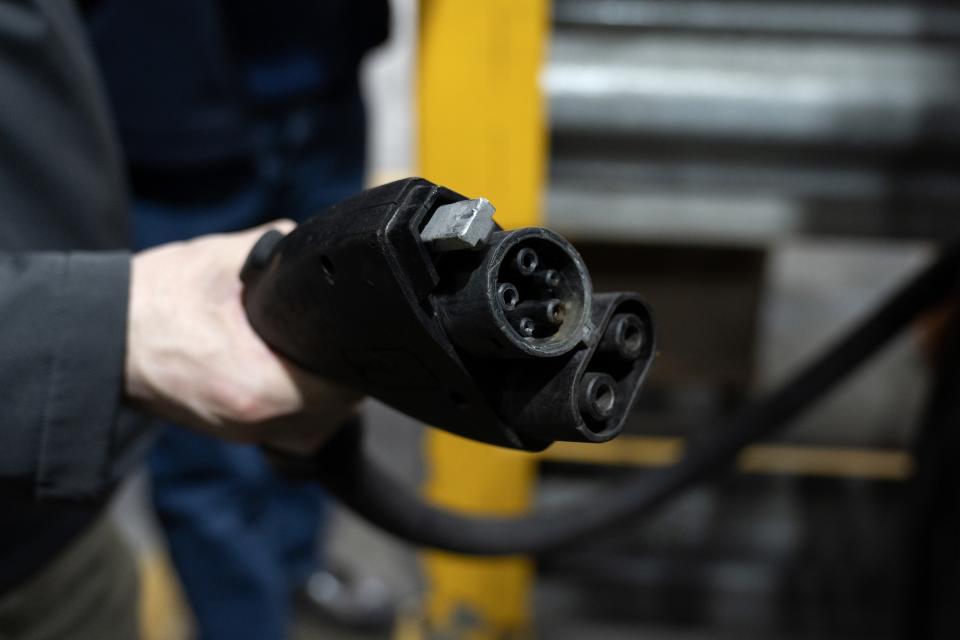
pixel 360 603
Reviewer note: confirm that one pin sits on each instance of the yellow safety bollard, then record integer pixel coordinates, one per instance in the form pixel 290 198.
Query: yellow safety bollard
pixel 482 131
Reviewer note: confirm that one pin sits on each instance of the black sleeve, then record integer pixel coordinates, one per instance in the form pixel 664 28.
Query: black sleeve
pixel 63 323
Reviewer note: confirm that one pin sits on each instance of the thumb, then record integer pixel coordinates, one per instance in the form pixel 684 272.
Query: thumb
pixel 283 225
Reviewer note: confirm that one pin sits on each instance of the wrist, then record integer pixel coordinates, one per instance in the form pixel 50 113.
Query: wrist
pixel 136 384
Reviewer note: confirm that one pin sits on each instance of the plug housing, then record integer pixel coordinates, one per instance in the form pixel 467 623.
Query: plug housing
pixel 410 293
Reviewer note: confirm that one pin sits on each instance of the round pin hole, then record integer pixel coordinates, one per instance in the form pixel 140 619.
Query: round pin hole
pixel 632 336
pixel 527 260
pixel 509 296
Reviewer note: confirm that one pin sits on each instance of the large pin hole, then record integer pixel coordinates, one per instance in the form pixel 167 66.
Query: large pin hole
pixel 598 400
pixel 604 397
pixel 632 337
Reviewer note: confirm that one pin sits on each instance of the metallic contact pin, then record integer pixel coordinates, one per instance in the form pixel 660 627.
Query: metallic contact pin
pixel 526 326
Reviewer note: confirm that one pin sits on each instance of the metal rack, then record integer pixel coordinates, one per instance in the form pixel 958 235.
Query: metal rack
pixel 748 122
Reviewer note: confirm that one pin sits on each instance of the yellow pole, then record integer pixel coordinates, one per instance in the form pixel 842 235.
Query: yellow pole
pixel 482 131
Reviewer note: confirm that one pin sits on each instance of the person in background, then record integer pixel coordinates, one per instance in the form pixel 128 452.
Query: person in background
pixel 232 113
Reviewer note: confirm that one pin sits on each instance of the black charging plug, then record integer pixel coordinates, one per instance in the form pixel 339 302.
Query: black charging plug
pixel 412 294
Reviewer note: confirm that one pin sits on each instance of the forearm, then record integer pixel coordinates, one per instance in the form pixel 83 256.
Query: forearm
pixel 84 335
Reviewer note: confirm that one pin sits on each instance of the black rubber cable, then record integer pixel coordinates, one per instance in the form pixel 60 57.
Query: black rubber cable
pixel 365 488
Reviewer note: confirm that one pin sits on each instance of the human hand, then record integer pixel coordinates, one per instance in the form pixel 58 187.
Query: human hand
pixel 193 358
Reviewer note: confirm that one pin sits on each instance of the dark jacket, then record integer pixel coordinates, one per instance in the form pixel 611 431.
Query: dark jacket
pixel 64 277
